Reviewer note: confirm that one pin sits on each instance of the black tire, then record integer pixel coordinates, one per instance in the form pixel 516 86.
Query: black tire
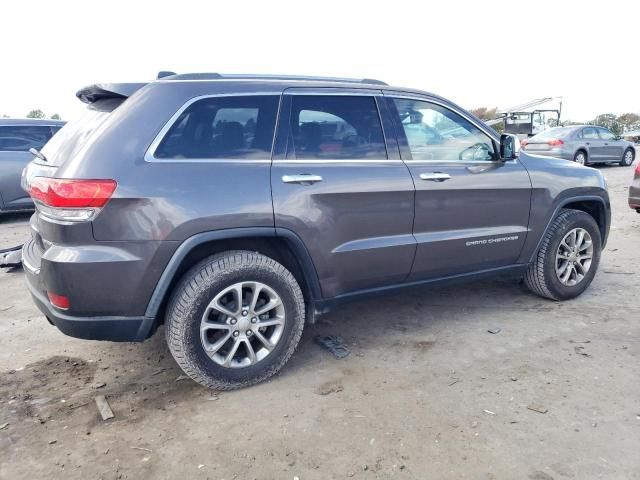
pixel 626 163
pixel 541 277
pixel 576 157
pixel 194 292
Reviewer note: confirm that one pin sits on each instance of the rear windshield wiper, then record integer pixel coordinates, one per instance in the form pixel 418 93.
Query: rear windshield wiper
pixel 38 154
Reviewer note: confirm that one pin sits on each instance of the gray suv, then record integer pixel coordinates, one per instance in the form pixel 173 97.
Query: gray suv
pixel 17 136
pixel 233 209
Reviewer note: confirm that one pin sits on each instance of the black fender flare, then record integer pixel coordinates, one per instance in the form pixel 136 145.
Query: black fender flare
pixel 566 201
pixel 162 287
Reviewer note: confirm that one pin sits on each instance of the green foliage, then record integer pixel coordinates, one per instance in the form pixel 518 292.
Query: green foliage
pixel 36 114
pixel 55 116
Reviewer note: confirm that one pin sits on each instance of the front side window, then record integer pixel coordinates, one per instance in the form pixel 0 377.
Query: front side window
pixel 20 138
pixel 606 134
pixel 590 133
pixel 335 127
pixel 239 127
pixel 436 133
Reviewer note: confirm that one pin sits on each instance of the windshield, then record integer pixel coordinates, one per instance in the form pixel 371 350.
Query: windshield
pixel 75 134
pixel 561 132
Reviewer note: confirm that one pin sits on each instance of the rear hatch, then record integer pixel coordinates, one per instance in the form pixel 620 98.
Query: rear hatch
pixel 101 101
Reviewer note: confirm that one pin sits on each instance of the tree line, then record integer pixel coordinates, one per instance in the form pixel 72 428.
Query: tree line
pixel 37 113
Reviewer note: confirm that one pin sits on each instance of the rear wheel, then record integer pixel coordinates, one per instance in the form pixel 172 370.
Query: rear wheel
pixel 627 158
pixel 234 320
pixel 580 157
pixel 568 257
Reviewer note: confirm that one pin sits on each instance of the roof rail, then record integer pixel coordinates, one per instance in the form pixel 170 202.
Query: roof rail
pixel 214 76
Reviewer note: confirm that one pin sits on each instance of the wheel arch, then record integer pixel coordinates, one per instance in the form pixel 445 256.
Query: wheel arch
pixel 281 244
pixel 592 205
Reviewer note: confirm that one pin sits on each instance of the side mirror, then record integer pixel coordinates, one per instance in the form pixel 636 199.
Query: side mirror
pixel 509 146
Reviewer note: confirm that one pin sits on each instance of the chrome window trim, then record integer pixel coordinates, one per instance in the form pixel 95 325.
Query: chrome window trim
pixel 482 128
pixel 329 161
pixel 149 155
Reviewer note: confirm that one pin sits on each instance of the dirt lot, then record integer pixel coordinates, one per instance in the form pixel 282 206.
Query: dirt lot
pixel 427 392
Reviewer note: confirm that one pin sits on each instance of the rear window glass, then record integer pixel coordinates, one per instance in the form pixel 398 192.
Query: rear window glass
pixel 20 138
pixel 335 127
pixel 223 127
pixel 74 135
pixel 553 133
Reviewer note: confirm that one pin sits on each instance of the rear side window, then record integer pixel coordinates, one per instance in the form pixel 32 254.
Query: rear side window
pixel 335 127
pixel 590 133
pixel 223 127
pixel 20 138
pixel 606 134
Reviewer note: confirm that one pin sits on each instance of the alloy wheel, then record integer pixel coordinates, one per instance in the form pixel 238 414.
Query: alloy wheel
pixel 580 158
pixel 628 158
pixel 574 257
pixel 242 324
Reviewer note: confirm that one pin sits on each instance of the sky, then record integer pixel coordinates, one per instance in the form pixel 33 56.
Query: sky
pixel 477 53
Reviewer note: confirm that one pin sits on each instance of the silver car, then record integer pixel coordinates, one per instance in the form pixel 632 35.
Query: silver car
pixel 17 136
pixel 584 144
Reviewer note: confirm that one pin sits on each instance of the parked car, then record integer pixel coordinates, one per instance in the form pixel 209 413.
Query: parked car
pixel 584 144
pixel 634 190
pixel 235 208
pixel 17 136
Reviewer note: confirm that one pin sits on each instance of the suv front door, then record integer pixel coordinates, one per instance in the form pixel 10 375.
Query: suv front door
pixel 472 209
pixel 342 189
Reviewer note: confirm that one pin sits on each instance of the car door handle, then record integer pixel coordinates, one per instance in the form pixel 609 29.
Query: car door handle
pixel 435 177
pixel 303 179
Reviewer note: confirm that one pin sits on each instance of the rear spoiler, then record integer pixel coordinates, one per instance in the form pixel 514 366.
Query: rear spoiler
pixel 101 91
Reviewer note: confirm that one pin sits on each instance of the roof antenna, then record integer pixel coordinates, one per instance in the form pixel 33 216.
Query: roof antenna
pixel 164 73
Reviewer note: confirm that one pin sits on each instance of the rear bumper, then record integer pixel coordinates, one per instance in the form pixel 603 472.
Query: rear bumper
pixel 115 329
pixel 71 278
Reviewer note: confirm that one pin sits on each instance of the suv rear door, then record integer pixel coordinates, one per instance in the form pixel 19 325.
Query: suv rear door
pixel 472 209
pixel 343 189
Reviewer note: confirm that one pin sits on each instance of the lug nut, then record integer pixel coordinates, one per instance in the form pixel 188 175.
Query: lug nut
pixel 236 333
pixel 254 320
pixel 244 313
pixel 233 321
pixel 249 333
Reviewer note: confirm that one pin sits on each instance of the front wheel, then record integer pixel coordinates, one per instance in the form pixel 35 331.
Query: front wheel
pixel 568 257
pixel 627 158
pixel 234 320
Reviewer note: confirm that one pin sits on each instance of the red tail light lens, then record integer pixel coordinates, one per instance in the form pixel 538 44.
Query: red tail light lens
pixel 638 168
pixel 523 143
pixel 555 142
pixel 58 301
pixel 71 193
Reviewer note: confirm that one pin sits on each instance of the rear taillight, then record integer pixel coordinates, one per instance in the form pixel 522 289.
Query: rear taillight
pixel 638 169
pixel 70 199
pixel 58 301
pixel 523 143
pixel 556 142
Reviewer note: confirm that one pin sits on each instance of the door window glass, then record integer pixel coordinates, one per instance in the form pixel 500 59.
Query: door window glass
pixel 590 133
pixel 335 127
pixel 20 138
pixel 223 127
pixel 606 134
pixel 436 133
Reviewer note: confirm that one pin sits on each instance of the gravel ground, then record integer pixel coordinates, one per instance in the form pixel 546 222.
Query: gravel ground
pixel 427 392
